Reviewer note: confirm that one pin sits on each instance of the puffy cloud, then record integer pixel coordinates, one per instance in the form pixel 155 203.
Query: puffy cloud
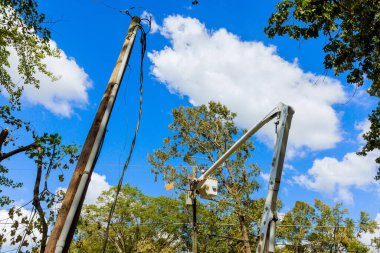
pixel 281 215
pixel 363 127
pixel 61 96
pixel 337 177
pixel 97 185
pixel 265 176
pixel 250 78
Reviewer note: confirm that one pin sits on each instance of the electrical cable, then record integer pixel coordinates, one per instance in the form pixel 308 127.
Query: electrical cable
pixel 112 210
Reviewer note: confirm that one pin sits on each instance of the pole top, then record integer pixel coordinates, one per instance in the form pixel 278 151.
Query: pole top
pixel 136 19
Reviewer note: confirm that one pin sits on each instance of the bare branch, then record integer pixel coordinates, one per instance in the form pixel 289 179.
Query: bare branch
pixel 16 151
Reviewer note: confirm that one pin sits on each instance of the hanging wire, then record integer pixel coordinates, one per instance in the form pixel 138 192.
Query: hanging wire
pixel 112 210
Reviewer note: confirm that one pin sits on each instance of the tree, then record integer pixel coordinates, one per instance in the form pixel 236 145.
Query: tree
pixel 352 47
pixel 329 232
pixel 10 124
pixel 48 154
pixel 22 32
pixel 296 226
pixel 376 242
pixel 24 35
pixel 143 223
pixel 199 136
pixel 323 229
pixel 140 223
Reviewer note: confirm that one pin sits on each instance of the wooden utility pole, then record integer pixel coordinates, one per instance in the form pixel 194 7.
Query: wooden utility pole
pixel 194 209
pixel 68 215
pixel 195 228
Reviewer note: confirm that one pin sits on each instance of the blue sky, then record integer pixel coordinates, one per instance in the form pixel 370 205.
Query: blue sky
pixel 213 51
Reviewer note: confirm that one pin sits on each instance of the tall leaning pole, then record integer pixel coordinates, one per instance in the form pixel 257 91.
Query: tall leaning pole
pixel 68 215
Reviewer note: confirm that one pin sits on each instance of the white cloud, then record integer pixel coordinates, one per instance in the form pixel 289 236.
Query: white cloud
pixel 280 216
pixel 265 176
pixel 250 78
pixel 97 185
pixel 59 97
pixel 337 177
pixel 363 127
pixel 289 167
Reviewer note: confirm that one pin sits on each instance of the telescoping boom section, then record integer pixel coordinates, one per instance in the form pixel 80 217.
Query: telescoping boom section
pixel 283 115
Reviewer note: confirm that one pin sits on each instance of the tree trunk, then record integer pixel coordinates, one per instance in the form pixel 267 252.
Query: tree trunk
pixel 244 232
pixel 37 203
pixel 3 136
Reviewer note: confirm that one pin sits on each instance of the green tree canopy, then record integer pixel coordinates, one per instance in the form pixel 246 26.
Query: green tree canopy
pixel 140 223
pixel 22 32
pixel 143 223
pixel 199 136
pixel 49 156
pixel 352 47
pixel 376 242
pixel 302 217
pixel 323 228
pixel 24 44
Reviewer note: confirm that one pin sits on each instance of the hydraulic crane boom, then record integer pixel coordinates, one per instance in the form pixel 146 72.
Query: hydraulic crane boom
pixel 268 221
pixel 283 114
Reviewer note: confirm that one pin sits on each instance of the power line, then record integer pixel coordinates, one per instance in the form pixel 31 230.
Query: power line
pixel 235 224
pixel 115 165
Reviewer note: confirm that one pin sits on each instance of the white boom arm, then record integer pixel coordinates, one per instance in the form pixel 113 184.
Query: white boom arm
pixel 284 113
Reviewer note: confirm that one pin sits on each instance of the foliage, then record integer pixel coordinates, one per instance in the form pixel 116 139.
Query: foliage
pixel 25 43
pixel 301 216
pixel 376 242
pixel 352 47
pixel 323 229
pixel 27 229
pixel 23 33
pixel 200 135
pixel 6 182
pixel 153 224
pixel 140 223
pixel 373 136
pixel 10 125
pixel 48 154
